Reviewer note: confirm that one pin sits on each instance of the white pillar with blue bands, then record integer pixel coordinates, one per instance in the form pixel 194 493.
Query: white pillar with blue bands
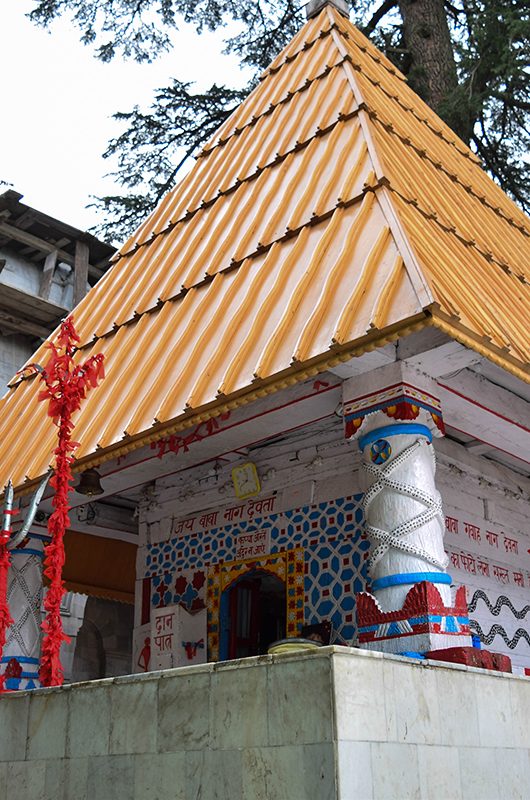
pixel 21 656
pixel 403 511
pixel 394 412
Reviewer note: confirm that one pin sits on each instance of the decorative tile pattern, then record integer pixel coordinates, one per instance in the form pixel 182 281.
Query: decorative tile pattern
pixel 214 606
pixel 320 551
pixel 288 566
pixel 231 571
pixel 295 528
pixel 335 572
pixel 295 591
pixel 186 588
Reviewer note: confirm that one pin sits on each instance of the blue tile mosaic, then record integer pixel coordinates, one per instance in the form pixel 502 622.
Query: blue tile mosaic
pixel 336 552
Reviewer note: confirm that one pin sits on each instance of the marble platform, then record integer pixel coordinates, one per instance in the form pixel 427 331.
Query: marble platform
pixel 333 724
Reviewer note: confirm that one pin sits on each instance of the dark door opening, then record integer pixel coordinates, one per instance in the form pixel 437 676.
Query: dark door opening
pixel 256 609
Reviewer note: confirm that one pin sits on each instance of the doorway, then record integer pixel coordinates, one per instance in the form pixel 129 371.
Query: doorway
pixel 254 611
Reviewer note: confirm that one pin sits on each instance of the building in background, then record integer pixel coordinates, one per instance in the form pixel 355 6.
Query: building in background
pixel 46 268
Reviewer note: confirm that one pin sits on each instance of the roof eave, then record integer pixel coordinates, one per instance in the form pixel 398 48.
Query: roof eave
pixel 296 373
pixel 456 330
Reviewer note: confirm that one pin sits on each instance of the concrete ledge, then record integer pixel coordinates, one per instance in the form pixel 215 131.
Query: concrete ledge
pixel 335 723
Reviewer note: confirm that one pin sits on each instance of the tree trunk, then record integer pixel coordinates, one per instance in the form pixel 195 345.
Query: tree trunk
pixel 432 72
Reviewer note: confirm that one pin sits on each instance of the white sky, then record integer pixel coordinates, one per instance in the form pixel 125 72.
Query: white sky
pixel 57 102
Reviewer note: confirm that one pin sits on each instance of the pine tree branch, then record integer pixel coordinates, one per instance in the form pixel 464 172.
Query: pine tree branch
pixel 381 12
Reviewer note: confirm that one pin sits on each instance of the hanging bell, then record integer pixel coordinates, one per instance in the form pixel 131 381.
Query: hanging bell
pixel 89 483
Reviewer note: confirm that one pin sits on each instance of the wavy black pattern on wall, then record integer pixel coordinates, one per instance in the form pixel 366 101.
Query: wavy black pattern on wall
pixel 487 638
pixel 501 601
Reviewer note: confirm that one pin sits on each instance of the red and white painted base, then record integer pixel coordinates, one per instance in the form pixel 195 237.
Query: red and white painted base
pixel 424 622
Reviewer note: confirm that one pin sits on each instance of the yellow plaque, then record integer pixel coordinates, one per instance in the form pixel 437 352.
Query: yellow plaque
pixel 246 480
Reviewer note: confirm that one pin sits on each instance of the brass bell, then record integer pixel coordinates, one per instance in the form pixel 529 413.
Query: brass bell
pixel 90 483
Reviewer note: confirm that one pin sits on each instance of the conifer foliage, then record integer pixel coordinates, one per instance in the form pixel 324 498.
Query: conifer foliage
pixel 469 59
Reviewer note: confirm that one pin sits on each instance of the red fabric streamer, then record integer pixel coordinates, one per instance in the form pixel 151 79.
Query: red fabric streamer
pixel 5 616
pixel 5 562
pixel 67 384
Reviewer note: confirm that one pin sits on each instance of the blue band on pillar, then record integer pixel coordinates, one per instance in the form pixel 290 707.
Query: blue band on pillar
pixel 410 577
pixel 394 430
pixel 27 551
pixel 41 537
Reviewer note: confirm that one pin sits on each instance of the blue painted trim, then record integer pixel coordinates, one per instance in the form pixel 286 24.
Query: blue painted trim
pixel 394 430
pixel 28 550
pixel 417 621
pixel 411 654
pixel 20 659
pixel 34 676
pixel 410 577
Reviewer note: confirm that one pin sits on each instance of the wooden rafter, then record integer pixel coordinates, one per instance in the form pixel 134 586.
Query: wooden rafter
pixel 11 232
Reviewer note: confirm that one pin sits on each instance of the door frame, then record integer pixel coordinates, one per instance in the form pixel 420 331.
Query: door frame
pixel 288 565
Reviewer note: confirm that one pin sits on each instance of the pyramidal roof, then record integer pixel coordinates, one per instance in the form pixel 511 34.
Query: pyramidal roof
pixel 331 212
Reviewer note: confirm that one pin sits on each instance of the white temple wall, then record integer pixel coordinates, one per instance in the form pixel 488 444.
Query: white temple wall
pixel 315 472
pixel 488 543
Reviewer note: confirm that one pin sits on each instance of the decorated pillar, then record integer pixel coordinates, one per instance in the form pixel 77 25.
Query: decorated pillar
pixel 393 413
pixel 20 660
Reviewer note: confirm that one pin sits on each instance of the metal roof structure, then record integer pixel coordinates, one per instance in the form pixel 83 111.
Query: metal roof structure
pixel 331 213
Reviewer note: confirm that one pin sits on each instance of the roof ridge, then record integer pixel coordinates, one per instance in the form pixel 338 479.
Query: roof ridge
pixel 457 143
pixel 290 58
pixel 411 263
pixel 452 175
pixel 342 24
pixel 335 24
pixel 488 255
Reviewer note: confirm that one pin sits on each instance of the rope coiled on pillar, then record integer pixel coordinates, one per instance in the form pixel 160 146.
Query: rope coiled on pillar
pixel 396 537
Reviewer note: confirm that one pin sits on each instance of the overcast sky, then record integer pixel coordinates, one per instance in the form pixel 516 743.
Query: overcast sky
pixel 57 102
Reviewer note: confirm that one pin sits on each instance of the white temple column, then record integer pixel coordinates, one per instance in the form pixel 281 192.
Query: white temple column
pixel 393 412
pixel 20 660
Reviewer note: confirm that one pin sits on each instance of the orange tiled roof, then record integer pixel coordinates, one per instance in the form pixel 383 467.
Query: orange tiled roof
pixel 331 211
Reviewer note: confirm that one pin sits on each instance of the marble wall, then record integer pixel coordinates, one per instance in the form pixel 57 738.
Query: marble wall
pixel 336 724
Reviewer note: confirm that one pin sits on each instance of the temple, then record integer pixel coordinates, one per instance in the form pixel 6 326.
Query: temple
pixel 314 425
